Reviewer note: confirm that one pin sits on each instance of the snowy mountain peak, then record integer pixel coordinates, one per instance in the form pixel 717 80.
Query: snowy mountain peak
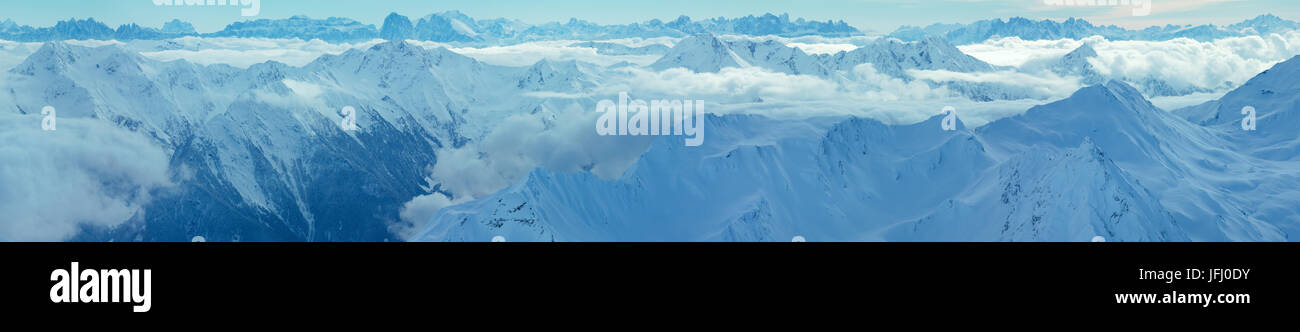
pixel 397 27
pixel 1117 91
pixel 1076 63
pixel 59 58
pixel 456 14
pixel 179 27
pixel 1113 99
pixel 333 29
pixel 52 56
pixel 703 41
pixel 894 57
pixel 1113 115
pixel 83 29
pixel 706 53
pixel 559 76
pixel 1083 52
pixel 446 27
pixel 1075 28
pixel 395 46
pixel 400 50
pixel 702 53
pixel 1264 18
pixel 1267 23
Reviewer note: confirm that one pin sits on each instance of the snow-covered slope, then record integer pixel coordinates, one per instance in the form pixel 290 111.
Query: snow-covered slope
pixel 1275 97
pixel 260 152
pixel 1104 162
pixel 754 179
pixel 1051 194
pixel 1186 165
pixel 703 53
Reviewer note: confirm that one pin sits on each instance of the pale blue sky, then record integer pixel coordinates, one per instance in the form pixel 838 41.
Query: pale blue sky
pixel 877 15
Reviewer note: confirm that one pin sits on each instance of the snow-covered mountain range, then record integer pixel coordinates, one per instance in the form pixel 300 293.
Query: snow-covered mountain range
pixel 706 53
pixel 456 27
pixel 451 147
pixel 1103 162
pixel 450 26
pixel 261 151
pixel 1075 28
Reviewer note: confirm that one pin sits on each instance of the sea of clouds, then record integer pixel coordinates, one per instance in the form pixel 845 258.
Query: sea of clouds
pixel 562 139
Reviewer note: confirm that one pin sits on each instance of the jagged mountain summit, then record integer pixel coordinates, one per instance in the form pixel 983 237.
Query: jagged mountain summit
pixel 76 29
pixel 333 29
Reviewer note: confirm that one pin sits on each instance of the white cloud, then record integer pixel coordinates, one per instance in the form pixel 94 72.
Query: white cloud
pixel 640 42
pixel 304 89
pixel 84 173
pixel 812 44
pixel 1015 52
pixel 563 140
pixel 872 85
pixel 1041 85
pixel 415 213
pixel 1182 63
pixel 726 86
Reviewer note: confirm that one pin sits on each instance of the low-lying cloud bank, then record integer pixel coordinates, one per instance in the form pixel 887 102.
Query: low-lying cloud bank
pixel 86 173
pixel 1183 64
